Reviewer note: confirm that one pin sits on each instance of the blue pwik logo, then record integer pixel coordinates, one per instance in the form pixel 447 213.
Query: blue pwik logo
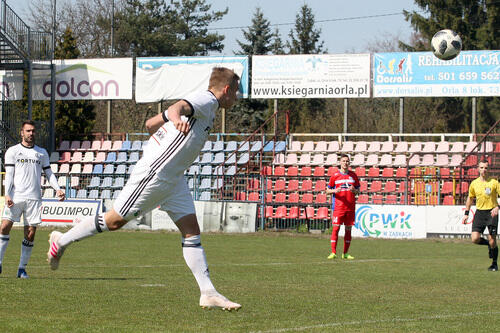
pixel 373 224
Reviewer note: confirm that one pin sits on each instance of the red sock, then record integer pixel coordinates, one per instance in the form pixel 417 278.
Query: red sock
pixel 347 240
pixel 333 239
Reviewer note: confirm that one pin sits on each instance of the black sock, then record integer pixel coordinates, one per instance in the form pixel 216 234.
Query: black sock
pixel 490 252
pixel 494 253
pixel 483 241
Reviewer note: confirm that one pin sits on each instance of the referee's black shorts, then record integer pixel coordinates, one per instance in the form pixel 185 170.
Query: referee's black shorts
pixel 483 219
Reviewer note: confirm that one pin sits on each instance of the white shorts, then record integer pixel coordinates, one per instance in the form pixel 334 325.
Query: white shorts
pixel 31 209
pixel 143 193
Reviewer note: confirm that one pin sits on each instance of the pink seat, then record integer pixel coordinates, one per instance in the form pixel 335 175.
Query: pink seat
pixel 401 147
pixel 456 159
pixel 470 146
pixel 293 185
pixel 331 159
pixel 372 160
pixel 399 160
pixel 387 147
pixel 293 197
pixel 389 187
pixel 64 168
pixel 305 171
pixel 305 159
pixel 332 170
pixel 290 171
pixel 96 145
pixel 427 160
pixel 87 169
pixel 65 157
pixel 457 147
pixel 308 146
pixel 279 159
pixel 318 159
pixel 77 157
pixel 321 147
pixel 373 172
pixel 386 160
pixel 360 171
pixel 359 159
pixel 333 146
pixel 361 147
pixel 347 147
pixel 388 172
pixel 414 160
pixel 441 160
pixel 295 146
pixel 319 171
pixel 100 157
pixel 374 147
pixel 429 147
pixel 117 145
pixel 415 147
pixel 106 145
pixel 443 147
pixel 291 159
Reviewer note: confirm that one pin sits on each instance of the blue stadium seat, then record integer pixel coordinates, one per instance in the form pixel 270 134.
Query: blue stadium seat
pixel 218 158
pixel 136 145
pixel 98 168
pixel 231 146
pixel 122 157
pixel 109 169
pixel 130 168
pixel 218 146
pixel 206 170
pixel 207 147
pixel 133 158
pixel 116 194
pixel 121 169
pixel 82 194
pixel 107 182
pixel 94 182
pixel 126 146
pixel 93 194
pixel 111 157
pixel 106 194
pixel 119 182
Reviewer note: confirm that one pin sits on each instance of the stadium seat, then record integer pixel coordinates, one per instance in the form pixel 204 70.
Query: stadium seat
pixel 100 157
pixel 218 183
pixel 322 213
pixel 96 145
pixel 253 196
pixel 109 169
pixel 231 170
pixel 269 212
pixel 65 145
pixel 414 160
pixel 321 147
pixel 374 147
pixel 391 199
pixel 307 198
pixel 306 185
pixel 65 157
pixel 400 160
pixel 293 213
pixel 320 186
pixel 448 200
pixel 318 159
pixel 332 170
pixel 290 171
pixel 441 160
pixel 116 145
pixel 321 198
pixel 48 193
pixel 206 158
pixel 76 168
pixel 121 158
pixel 145 144
pixel 218 157
pixel 497 147
pixel 402 187
pixel 371 160
pixel 363 186
pixel 280 212
pixel 429 147
pixel 243 146
pixel 457 147
pixel 427 160
pixel 305 159
pixel 279 185
pixel 387 147
pixel 136 145
pixel 279 159
pixel 389 187
pixel 470 146
pixel 487 147
pixel 231 146
pixel 444 172
pixel 87 169
pixel 347 147
pixel 291 159
pixel 253 184
pixel 447 187
pixel 133 158
pixel 130 168
pixel 54 157
pixel 64 168
pixel 54 167
pixel 333 146
pixel 376 186
pixel 88 157
pixel 377 199
pixel 388 172
pixel 401 147
pixel 279 170
pixel 293 197
pixel 62 181
pixel 360 171
pixel 456 160
pixel 218 146
pixel 119 182
pixel 280 146
pixel 373 172
pixel 471 160
pixel 207 147
pixel 359 159
pixel 443 147
pixel 472 173
pixel 98 168
pixel 331 159
pixel 106 194
pixel 266 170
pixel 295 146
pixel 309 212
pixel 280 197
pixel 308 147
pixel 106 145
pixel 205 184
pixel 243 159
pixel 126 146
pixel 305 171
pixel 121 169
pixel 206 170
pixel 81 194
pixel 93 194
pixel 319 171
pixel 401 172
pixel 116 193
pixel 256 146
pixel 106 182
pixel 415 147
pixel 361 147
pixel 76 157
pixel 362 198
pixel 269 197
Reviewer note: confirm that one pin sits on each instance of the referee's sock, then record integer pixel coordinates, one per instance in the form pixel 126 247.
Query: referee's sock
pixel 494 254
pixel 483 241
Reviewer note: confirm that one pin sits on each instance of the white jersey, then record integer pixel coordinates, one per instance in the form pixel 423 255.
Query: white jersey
pixel 169 152
pixel 28 163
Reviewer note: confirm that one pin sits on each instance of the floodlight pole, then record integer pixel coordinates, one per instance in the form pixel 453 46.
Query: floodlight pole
pixel 53 83
pixel 401 115
pixel 474 110
pixel 110 102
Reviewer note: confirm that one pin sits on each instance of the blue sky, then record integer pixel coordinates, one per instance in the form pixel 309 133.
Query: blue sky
pixel 340 31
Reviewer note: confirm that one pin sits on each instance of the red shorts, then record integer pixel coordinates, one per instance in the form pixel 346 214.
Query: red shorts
pixel 345 218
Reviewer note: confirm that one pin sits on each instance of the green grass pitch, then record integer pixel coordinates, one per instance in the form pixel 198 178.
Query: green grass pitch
pixel 138 282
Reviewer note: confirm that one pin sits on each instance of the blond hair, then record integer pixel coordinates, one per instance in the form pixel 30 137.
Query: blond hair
pixel 221 77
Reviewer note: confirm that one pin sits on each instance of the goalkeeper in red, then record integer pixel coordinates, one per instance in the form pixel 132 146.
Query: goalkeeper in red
pixel 344 186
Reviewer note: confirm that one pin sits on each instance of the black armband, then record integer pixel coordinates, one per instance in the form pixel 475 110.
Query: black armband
pixel 466 212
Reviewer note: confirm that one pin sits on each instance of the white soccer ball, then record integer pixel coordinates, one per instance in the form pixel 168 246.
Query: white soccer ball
pixel 446 44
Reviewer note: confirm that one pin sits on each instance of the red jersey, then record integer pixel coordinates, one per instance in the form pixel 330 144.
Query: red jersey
pixel 345 200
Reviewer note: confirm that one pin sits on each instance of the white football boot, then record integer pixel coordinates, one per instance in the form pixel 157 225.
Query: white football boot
pixel 218 301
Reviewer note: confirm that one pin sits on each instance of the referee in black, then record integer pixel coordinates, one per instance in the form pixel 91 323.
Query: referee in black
pixel 485 190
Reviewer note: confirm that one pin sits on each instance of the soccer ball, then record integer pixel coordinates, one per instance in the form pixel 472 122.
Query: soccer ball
pixel 446 44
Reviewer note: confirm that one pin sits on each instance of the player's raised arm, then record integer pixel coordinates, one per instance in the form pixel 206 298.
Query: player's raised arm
pixel 173 114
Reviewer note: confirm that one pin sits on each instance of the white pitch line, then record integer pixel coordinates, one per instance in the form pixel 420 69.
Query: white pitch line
pixel 365 322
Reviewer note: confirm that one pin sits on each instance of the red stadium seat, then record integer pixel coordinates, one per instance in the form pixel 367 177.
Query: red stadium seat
pixel 279 185
pixel 360 171
pixel 307 198
pixel 292 171
pixel 332 170
pixel 306 185
pixel 293 213
pixel 401 172
pixel 444 172
pixel 322 213
pixel 464 187
pixel 293 185
pixel 320 186
pixel 373 172
pixel 280 212
pixel 269 212
pixel 266 171
pixel 65 157
pixel 309 212
pixel 391 199
pixel 321 198
pixel 269 197
pixel 305 171
pixel 377 199
pixel 319 171
pixel 448 200
pixel 241 196
pixel 253 196
pixel 280 197
pixel 389 187
pixel 253 184
pixel 376 186
pixel 497 147
pixel 293 197
pixel 402 187
pixel 279 171
pixel 388 172
pixel 363 186
pixel 362 198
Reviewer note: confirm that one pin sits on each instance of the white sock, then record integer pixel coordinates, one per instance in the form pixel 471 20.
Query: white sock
pixel 4 241
pixel 26 248
pixel 194 255
pixel 88 227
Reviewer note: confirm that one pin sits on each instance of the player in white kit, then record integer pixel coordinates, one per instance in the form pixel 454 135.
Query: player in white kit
pixel 24 163
pixel 177 137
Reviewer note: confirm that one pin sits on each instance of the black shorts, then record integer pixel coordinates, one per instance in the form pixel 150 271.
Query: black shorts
pixel 483 219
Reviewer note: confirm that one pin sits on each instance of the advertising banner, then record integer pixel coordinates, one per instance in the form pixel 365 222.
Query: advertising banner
pixel 55 212
pixel 443 221
pixel 311 76
pixel 11 85
pixel 161 79
pixel 421 74
pixel 91 79
pixel 389 221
